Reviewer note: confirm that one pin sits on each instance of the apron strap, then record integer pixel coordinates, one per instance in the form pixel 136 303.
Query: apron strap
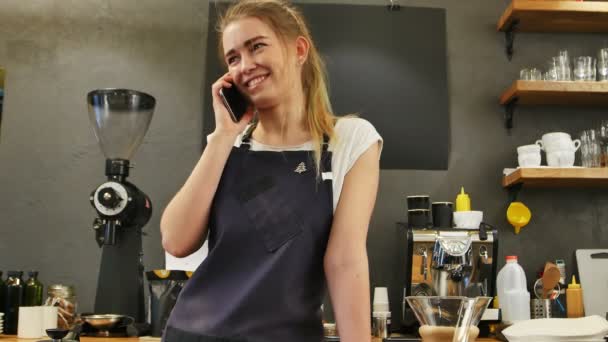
pixel 246 145
pixel 246 141
pixel 325 144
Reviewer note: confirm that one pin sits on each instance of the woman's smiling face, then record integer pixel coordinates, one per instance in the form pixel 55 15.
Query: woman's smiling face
pixel 258 61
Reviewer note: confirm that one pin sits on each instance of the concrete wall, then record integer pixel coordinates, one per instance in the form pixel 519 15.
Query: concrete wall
pixel 55 52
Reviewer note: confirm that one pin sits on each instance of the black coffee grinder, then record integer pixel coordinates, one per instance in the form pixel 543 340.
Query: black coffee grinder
pixel 120 119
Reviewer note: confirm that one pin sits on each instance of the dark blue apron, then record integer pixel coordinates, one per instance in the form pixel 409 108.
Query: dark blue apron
pixel 263 279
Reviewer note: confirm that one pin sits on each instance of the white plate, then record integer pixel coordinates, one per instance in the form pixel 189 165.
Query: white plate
pixel 558 329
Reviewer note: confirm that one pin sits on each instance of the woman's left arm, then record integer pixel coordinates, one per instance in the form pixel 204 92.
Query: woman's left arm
pixel 346 265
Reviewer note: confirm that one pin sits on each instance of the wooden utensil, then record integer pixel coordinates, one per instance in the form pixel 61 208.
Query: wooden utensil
pixel 550 278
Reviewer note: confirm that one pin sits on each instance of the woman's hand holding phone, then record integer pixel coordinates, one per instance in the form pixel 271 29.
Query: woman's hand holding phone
pixel 224 125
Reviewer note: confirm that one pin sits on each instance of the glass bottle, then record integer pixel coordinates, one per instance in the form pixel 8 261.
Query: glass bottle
pixel 13 300
pixel 2 294
pixel 33 290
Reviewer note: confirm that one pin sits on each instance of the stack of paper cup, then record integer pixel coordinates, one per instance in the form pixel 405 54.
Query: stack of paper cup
pixel 381 320
pixel 1 323
pixel 380 299
pixel 34 320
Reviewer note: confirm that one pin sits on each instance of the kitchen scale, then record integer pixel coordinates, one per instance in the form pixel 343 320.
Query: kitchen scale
pixel 120 119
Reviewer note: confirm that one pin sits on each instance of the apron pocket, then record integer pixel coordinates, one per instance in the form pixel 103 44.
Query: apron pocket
pixel 271 213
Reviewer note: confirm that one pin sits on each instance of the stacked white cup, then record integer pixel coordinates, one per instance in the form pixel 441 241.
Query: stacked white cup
pixel 528 155
pixel 381 313
pixel 34 320
pixel 560 148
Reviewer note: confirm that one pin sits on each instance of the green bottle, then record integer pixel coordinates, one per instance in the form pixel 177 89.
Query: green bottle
pixel 33 290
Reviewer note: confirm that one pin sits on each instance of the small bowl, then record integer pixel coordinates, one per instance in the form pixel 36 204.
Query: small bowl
pixel 106 322
pixel 468 219
pixel 57 334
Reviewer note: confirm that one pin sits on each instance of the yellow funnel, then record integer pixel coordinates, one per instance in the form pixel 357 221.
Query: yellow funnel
pixel 518 215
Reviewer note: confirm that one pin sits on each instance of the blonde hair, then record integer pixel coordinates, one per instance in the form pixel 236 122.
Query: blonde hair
pixel 288 23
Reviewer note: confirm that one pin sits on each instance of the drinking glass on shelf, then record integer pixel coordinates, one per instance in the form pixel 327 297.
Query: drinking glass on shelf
pixel 590 148
pixel 562 68
pixel 602 135
pixel 551 71
pixel 524 74
pixel 536 74
pixel 602 65
pixel 584 68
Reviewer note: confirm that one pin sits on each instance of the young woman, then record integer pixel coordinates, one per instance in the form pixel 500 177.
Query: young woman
pixel 285 200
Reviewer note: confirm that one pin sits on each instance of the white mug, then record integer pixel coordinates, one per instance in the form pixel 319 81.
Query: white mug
pixel 564 158
pixel 557 141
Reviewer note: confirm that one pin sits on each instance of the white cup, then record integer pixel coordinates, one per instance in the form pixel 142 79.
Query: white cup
pixel 563 158
pixel 533 148
pixel 380 302
pixel 529 160
pixel 528 155
pixel 49 318
pixel 30 322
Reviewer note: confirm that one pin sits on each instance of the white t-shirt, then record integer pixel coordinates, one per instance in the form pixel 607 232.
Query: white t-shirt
pixel 353 137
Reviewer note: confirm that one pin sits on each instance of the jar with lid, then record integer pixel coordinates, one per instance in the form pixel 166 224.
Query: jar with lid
pixel 64 298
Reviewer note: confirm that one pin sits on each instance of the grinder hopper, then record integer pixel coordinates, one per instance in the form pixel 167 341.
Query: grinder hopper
pixel 120 119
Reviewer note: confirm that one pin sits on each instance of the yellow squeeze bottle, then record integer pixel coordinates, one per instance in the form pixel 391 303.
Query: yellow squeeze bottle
pixel 574 300
pixel 463 202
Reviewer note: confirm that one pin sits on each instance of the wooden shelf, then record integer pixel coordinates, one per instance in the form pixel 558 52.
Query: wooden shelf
pixel 556 93
pixel 557 177
pixel 555 16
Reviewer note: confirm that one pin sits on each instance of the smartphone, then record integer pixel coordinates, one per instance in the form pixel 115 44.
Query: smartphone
pixel 235 102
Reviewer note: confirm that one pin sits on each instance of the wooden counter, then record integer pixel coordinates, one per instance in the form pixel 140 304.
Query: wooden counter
pixel 7 338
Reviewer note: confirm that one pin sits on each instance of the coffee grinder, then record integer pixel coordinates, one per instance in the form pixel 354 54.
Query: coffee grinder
pixel 120 119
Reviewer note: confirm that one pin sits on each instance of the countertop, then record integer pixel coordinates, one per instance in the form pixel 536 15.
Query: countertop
pixel 12 338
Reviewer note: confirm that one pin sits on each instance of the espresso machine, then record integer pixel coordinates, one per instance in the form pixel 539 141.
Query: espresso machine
pixel 449 262
pixel 120 119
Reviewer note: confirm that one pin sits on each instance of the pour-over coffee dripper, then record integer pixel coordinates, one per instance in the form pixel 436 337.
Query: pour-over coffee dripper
pixel 448 319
